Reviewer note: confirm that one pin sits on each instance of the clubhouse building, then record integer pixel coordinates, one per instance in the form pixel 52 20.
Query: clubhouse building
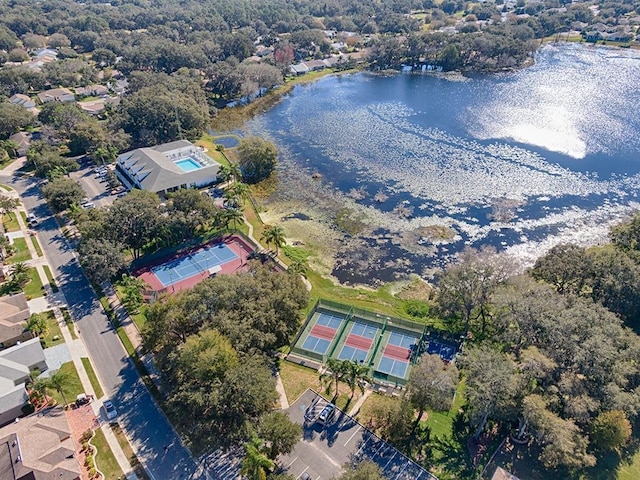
pixel 167 167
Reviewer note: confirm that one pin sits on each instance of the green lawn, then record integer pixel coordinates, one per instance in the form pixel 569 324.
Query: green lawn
pixel 105 460
pixel 54 331
pixel 440 422
pixel 22 251
pixel 129 453
pixel 52 282
pixel 36 245
pixel 34 288
pixel 10 222
pixel 72 387
pixel 92 377
pixel 70 325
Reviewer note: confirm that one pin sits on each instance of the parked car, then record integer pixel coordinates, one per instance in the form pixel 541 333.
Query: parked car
pixel 326 414
pixel 109 410
pixel 87 205
pixel 32 220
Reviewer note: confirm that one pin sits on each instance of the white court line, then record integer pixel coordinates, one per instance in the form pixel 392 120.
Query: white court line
pixel 292 462
pixel 302 472
pixel 352 435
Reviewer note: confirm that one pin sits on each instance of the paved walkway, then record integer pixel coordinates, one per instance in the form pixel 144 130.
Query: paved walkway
pixel 356 406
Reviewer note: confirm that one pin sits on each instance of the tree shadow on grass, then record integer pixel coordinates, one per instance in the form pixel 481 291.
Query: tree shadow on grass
pixel 451 453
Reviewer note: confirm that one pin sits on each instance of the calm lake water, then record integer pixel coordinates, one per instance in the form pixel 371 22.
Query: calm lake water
pixel 519 161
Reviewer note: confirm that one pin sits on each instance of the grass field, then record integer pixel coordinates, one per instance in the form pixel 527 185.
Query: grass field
pixel 70 325
pixel 22 251
pixel 10 222
pixel 86 363
pixel 52 282
pixel 54 330
pixel 34 288
pixel 36 245
pixel 72 386
pixel 105 460
pixel 129 453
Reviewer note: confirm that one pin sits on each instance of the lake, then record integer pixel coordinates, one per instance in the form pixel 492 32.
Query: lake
pixel 425 165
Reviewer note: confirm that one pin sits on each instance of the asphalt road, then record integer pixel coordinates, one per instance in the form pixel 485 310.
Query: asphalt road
pixel 153 438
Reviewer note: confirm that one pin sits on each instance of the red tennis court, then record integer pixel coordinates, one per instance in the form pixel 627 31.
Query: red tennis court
pixel 359 341
pixel 397 353
pixel 320 331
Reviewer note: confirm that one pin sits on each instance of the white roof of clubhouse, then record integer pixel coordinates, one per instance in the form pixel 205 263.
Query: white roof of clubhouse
pixel 157 169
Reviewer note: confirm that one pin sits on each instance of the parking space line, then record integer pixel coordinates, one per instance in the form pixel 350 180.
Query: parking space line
pixel 302 472
pixel 363 445
pixel 392 457
pixel 402 471
pixel 352 435
pixel 288 466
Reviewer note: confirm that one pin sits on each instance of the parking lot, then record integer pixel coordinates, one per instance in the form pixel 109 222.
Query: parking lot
pixel 324 449
pixel 97 189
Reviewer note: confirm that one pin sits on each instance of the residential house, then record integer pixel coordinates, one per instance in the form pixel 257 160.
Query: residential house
pixel 502 474
pixel 14 313
pixel 39 447
pixel 92 90
pixel 57 95
pixel 166 168
pixel 24 100
pixel 94 107
pixel 315 65
pixel 22 140
pixel 299 69
pixel 16 364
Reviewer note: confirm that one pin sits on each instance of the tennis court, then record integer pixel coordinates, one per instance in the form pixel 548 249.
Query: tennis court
pixel 322 333
pixel 209 258
pixel 446 352
pixel 392 366
pixel 359 341
pixel 402 340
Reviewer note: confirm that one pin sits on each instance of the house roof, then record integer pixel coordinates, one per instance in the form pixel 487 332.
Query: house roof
pixel 40 447
pixel 28 354
pixel 54 93
pixel 14 310
pixel 20 99
pixel 154 168
pixel 502 474
pixel 22 139
pixel 93 107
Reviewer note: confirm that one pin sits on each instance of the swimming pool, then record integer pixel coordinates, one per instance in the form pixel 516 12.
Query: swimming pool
pixel 188 164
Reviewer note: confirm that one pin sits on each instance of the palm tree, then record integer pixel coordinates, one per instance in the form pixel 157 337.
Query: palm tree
pixel 234 215
pixel 355 375
pixel 20 274
pixel 58 381
pixel 274 235
pixel 225 173
pixel 235 171
pixel 333 373
pixel 255 464
pixel 221 219
pixel 240 190
pixel 38 325
pixel 299 267
pixel 230 198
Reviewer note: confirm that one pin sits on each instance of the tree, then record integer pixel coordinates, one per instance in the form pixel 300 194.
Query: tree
pixel 274 235
pixel 432 384
pixel 61 193
pixel 13 118
pixel 279 433
pixel 132 292
pixel 257 158
pixel 20 274
pixel 7 205
pixel 58 382
pixel 38 325
pixel 491 385
pixel 135 219
pixel 233 215
pixel 255 464
pixel 365 470
pixel 565 267
pixel 333 372
pixel 610 430
pixel 101 258
pixel 355 375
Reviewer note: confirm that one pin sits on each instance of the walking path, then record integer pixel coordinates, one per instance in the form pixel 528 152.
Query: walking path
pixel 54 301
pixel 356 406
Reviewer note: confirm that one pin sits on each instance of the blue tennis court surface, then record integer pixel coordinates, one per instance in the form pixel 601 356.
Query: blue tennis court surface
pixel 391 366
pixel 316 344
pixel 328 320
pixel 351 353
pixel 402 340
pixel 364 330
pixel 192 264
pixel 446 352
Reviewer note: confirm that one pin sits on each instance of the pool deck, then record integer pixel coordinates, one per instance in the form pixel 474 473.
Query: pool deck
pixel 237 244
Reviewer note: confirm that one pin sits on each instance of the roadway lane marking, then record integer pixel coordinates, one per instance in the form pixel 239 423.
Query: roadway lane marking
pixel 352 435
pixel 302 472
pixel 289 466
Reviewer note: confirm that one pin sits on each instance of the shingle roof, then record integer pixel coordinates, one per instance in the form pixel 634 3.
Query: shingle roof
pixel 155 169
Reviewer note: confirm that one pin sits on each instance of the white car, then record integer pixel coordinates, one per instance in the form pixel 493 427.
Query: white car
pixel 109 410
pixel 87 205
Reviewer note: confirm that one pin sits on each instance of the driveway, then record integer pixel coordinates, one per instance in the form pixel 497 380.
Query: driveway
pixel 145 425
